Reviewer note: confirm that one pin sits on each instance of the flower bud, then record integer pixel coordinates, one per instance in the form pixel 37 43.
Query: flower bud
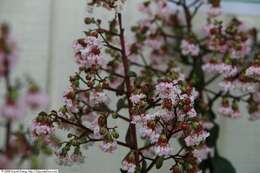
pixel 114 115
pixel 115 134
pixel 88 20
pixel 103 131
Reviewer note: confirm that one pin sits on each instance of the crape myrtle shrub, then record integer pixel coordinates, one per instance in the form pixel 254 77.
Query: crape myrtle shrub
pixel 158 85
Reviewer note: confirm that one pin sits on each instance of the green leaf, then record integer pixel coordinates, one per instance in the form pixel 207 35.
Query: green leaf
pixel 120 104
pixel 159 162
pixel 222 165
pixel 213 137
pixel 43 114
pixel 144 166
pixel 123 171
pixel 132 74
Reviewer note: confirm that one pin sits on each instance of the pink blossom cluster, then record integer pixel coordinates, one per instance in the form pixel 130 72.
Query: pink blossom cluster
pixel 253 71
pixel 88 52
pixel 161 9
pixel 189 48
pixel 68 160
pixel 227 70
pixel 196 138
pixel 240 84
pixel 42 128
pixel 128 166
pixel 236 46
pixel 229 110
pixel 202 153
pixel 15 107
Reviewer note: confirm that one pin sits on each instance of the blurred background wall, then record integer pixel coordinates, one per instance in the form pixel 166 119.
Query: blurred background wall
pixel 45 30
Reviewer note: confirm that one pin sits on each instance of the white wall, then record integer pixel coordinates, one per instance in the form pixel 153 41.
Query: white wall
pixel 45 30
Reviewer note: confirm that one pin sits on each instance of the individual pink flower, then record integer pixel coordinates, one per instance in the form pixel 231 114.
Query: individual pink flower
pixel 164 10
pixel 70 100
pixel 253 71
pixel 202 153
pixel 63 159
pixel 207 125
pixel 225 110
pixel 196 138
pixel 97 98
pixel 77 158
pixel 166 115
pixel 147 24
pixel 108 146
pixel 214 11
pixel 154 43
pixel 227 70
pixel 151 134
pixel 217 44
pixel 210 67
pixel 189 48
pixel 243 50
pixel 227 85
pixel 41 129
pixel 136 98
pixel 212 29
pixel 144 8
pixel 128 166
pixel 150 130
pixel 163 148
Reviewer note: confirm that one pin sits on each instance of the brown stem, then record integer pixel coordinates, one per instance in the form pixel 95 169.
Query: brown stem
pixel 86 129
pixel 134 144
pixel 212 79
pixel 8 90
pixel 188 15
pixel 151 165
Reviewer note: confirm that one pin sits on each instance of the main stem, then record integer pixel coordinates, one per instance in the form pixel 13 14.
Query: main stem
pixel 8 90
pixel 132 127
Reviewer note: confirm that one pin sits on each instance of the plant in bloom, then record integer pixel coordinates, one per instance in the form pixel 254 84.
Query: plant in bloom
pixel 226 54
pixel 142 84
pixel 18 146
